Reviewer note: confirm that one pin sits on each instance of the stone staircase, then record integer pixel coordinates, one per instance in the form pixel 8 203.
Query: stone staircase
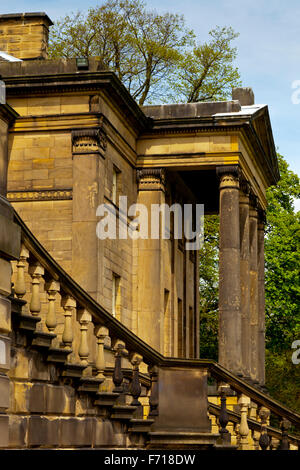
pixel 80 379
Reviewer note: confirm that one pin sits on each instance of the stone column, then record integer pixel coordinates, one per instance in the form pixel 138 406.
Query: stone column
pixel 253 291
pixel 230 348
pixel 88 151
pixel 261 297
pixel 150 298
pixel 10 244
pixel 245 277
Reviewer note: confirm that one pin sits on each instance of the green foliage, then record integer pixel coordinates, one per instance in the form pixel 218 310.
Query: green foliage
pixel 155 55
pixel 282 256
pixel 283 378
pixel 208 288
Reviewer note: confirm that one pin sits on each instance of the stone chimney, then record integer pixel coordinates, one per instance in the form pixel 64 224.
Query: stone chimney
pixel 244 95
pixel 25 35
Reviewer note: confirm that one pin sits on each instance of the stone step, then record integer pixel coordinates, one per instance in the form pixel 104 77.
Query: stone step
pixel 140 425
pixel 181 440
pixel 72 371
pixel 58 355
pixel 42 340
pixel 122 412
pixel 106 399
pixel 24 322
pixel 89 384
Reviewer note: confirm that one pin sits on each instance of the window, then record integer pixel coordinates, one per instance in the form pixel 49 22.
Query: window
pixel 167 325
pixel 181 330
pixel 115 185
pixel 116 300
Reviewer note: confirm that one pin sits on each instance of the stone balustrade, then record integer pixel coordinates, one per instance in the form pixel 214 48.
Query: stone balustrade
pixel 245 423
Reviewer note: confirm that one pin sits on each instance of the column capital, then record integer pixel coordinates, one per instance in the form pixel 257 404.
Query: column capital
pixel 262 218
pixel 253 199
pixel 228 170
pixel 245 187
pixel 89 141
pixel 151 179
pixel 229 176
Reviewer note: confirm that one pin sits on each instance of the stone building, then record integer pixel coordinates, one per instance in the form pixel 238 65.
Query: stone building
pixel 73 139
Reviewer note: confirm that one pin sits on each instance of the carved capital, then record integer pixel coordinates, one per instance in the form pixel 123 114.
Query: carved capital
pixel 262 219
pixel 245 187
pixel 229 176
pixel 87 141
pixel 253 200
pixel 151 179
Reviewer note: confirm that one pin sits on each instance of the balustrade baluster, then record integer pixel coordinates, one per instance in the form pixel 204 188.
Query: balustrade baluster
pixel 255 437
pixel 274 444
pixel 68 304
pixel 285 426
pixel 135 387
pixel 153 399
pixel 264 440
pixel 36 271
pixel 236 435
pixel 52 288
pixel 101 333
pixel 118 376
pixel 224 418
pixel 84 319
pixel 20 286
pixel 244 403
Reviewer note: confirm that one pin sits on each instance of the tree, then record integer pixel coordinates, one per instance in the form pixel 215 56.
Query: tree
pixel 140 46
pixel 207 72
pixel 208 288
pixel 155 55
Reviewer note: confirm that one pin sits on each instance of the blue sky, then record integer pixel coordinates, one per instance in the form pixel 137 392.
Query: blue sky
pixel 268 49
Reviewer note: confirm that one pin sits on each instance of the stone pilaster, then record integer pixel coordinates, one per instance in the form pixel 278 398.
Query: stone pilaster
pixel 253 291
pixel 245 276
pixel 261 297
pixel 88 151
pixel 150 299
pixel 230 348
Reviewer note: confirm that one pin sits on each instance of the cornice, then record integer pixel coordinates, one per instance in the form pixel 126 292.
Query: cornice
pixel 219 125
pixel 62 83
pixel 8 114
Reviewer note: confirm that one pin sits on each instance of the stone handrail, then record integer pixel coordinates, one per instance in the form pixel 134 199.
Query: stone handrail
pixel 79 310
